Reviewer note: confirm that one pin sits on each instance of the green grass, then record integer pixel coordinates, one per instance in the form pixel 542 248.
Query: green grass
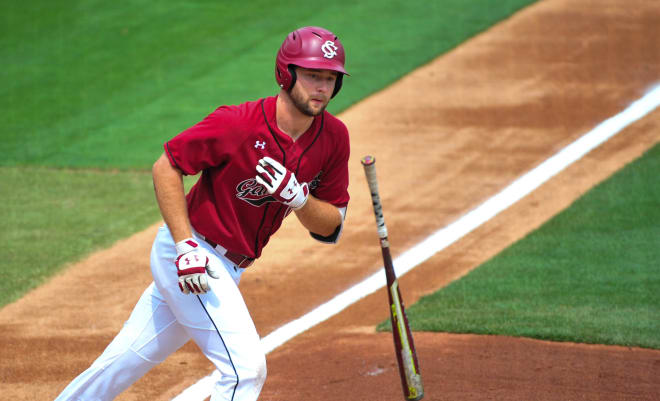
pixel 55 216
pixel 591 274
pixel 102 85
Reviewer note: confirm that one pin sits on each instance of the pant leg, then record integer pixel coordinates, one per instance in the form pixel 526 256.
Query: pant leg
pixel 218 321
pixel 150 334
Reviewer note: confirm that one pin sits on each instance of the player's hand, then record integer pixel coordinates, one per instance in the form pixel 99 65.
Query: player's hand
pixel 282 183
pixel 192 265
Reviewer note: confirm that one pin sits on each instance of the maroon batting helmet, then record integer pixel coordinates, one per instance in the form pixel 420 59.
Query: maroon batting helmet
pixel 309 47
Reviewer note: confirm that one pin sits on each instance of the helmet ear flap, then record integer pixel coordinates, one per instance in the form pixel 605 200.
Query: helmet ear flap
pixel 338 82
pixel 292 72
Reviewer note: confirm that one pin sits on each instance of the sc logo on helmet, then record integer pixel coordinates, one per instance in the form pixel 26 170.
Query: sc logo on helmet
pixel 329 49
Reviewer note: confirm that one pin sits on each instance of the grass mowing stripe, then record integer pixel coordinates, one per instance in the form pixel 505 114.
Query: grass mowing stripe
pixel 588 275
pixel 54 216
pixel 85 81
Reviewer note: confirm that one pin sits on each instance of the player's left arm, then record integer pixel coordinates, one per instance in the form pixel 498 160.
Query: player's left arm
pixel 325 218
pixel 319 217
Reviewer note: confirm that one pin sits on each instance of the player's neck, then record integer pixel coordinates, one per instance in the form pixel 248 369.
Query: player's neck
pixel 289 119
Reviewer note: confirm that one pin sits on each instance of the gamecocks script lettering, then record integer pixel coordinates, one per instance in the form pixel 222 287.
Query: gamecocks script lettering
pixel 253 193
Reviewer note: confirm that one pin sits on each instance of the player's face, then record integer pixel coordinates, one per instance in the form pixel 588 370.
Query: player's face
pixel 313 89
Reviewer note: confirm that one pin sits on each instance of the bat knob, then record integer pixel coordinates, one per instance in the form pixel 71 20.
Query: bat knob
pixel 368 160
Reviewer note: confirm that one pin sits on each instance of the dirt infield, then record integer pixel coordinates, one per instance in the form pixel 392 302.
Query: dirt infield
pixel 446 137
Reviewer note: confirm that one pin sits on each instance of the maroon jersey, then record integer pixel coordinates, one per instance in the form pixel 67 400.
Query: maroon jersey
pixel 227 205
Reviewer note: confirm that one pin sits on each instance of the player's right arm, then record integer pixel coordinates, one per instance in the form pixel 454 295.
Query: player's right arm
pixel 192 262
pixel 171 197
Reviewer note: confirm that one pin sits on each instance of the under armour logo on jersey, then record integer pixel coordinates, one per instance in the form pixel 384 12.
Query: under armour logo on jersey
pixel 329 49
pixel 260 145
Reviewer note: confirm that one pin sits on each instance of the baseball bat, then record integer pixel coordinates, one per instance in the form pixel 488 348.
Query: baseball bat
pixel 411 379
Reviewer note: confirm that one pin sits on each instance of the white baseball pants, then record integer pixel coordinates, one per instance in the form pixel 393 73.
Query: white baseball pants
pixel 164 319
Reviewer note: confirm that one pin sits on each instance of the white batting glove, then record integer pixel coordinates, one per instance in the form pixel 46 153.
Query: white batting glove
pixel 192 265
pixel 282 183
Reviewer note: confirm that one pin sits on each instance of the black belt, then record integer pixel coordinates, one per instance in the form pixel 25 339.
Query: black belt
pixel 238 259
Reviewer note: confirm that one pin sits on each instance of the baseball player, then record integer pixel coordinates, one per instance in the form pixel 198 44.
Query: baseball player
pixel 259 161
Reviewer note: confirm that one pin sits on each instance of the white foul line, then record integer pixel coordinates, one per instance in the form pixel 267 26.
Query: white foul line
pixel 444 237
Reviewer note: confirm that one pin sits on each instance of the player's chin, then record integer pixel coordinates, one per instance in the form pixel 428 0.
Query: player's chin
pixel 316 107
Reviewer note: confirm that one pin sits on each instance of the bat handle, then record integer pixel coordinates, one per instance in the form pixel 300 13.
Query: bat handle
pixel 369 164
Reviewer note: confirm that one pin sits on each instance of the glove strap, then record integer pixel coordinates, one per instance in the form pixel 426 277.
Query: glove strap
pixel 186 246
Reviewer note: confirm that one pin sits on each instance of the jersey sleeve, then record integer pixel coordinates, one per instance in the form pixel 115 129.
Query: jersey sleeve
pixel 206 144
pixel 333 186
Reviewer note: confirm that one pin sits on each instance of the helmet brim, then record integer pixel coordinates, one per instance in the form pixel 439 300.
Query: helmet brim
pixel 315 64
